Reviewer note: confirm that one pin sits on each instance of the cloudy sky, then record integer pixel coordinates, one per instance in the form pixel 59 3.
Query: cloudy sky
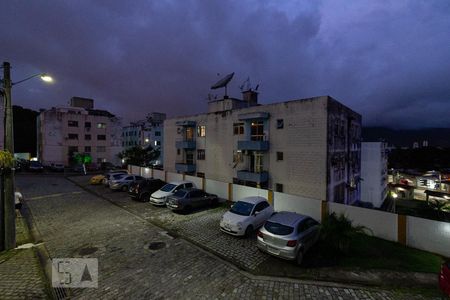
pixel 388 60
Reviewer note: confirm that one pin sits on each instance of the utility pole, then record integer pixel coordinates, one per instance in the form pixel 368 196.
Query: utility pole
pixel 8 206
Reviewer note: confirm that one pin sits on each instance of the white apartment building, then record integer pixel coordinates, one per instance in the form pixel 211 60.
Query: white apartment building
pixel 149 132
pixel 65 131
pixel 308 147
pixel 374 173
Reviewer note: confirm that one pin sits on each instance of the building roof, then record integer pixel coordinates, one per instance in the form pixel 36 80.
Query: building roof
pixel 100 112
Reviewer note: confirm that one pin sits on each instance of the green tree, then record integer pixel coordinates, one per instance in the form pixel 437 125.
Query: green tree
pixel 139 156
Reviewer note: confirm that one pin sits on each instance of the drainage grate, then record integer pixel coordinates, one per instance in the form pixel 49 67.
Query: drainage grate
pixel 156 245
pixel 60 293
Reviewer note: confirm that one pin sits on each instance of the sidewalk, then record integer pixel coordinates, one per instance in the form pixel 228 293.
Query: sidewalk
pixel 21 275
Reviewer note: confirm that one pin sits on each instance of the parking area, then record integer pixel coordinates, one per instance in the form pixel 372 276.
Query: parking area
pixel 200 226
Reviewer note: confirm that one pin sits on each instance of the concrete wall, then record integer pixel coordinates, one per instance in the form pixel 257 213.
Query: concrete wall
pixel 158 174
pixel 429 235
pixel 382 224
pixel 196 180
pixel 146 172
pixel 217 187
pixel 135 170
pixel 174 177
pixel 240 191
pixel 301 205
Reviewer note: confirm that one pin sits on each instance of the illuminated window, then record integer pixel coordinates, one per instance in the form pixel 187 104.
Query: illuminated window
pixel 237 156
pixel 257 131
pixel 101 125
pixel 238 128
pixel 201 130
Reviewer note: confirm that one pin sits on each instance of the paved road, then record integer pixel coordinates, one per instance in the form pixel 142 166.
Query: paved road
pixel 71 220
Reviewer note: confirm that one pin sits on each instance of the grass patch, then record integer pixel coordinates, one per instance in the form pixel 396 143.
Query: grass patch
pixel 373 253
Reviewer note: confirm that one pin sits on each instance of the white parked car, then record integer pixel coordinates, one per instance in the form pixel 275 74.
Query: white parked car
pixel 160 196
pixel 245 216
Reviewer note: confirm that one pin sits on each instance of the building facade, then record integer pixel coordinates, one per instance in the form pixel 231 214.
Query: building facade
pixel 144 133
pixel 308 147
pixel 79 129
pixel 374 173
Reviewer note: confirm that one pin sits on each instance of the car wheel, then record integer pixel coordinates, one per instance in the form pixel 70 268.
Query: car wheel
pixel 124 188
pixel 249 231
pixel 145 197
pixel 299 258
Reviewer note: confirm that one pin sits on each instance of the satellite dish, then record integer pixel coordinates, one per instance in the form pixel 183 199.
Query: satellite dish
pixel 223 83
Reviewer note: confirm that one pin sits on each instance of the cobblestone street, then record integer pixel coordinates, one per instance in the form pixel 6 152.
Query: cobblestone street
pixel 71 220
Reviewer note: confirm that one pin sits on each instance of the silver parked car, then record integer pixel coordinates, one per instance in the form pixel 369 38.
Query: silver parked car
pixel 288 235
pixel 187 199
pixel 123 181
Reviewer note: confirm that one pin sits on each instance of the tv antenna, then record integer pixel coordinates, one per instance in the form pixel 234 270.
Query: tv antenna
pixel 247 85
pixel 223 83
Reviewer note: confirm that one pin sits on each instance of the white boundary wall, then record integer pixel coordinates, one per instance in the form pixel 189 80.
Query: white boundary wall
pixel 383 224
pixel 158 174
pixel 174 177
pixel 217 187
pixel 135 170
pixel 429 235
pixel 241 191
pixel 146 172
pixel 196 180
pixel 424 234
pixel 301 205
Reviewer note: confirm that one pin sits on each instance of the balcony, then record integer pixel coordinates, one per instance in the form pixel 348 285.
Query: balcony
pixel 253 145
pixel 251 176
pixel 185 144
pixel 185 168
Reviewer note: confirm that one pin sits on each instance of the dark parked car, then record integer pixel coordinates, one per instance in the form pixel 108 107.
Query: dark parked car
pixel 444 278
pixel 36 166
pixel 142 190
pixel 187 199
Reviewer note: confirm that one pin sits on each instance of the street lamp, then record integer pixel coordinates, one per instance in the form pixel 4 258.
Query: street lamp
pixel 7 206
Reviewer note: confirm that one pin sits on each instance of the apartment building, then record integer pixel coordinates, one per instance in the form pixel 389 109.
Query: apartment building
pixel 307 147
pixel 79 128
pixel 374 173
pixel 148 132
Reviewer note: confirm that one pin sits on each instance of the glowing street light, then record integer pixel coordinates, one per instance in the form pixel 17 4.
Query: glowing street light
pixel 47 78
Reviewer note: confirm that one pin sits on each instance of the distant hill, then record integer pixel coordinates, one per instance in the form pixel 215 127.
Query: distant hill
pixel 436 137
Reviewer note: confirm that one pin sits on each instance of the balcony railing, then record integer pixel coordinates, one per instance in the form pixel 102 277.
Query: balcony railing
pixel 252 176
pixel 185 168
pixel 185 144
pixel 253 145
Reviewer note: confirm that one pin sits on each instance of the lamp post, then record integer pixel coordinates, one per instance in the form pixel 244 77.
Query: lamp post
pixel 7 203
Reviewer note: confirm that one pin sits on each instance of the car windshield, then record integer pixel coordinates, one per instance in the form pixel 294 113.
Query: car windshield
pixel 277 228
pixel 118 176
pixel 168 187
pixel 180 194
pixel 242 208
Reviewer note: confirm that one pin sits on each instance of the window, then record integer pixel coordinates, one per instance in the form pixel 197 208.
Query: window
pixel 201 130
pixel 101 125
pixel 189 157
pixel 201 154
pixel 73 149
pixel 73 136
pixel 188 185
pixel 238 128
pixel 280 124
pixel 87 137
pixel 72 123
pixel 87 149
pixel 87 124
pixel 279 188
pixel 237 156
pixel 101 137
pixel 157 143
pixel 178 152
pixel 258 162
pixel 279 156
pixel 261 206
pixel 190 134
pixel 101 149
pixel 157 133
pixel 200 174
pixel 257 131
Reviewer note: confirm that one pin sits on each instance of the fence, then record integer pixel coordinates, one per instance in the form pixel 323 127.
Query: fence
pixel 424 234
